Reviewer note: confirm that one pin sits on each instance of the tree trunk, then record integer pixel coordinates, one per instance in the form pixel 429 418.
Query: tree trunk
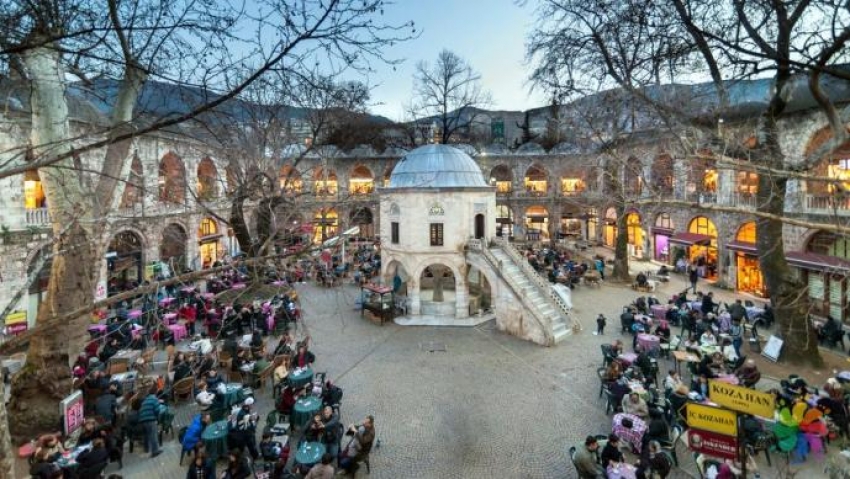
pixel 7 452
pixel 46 378
pixel 787 294
pixel 621 249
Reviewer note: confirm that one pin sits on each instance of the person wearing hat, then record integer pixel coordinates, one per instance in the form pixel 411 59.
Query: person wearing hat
pixel 586 460
pixel 246 427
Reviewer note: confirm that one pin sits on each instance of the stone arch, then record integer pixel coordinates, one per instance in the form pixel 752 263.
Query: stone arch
pixel 290 179
pixel 207 184
pixel 536 180
pixel 397 268
pixel 361 181
pixel 173 246
pixel 481 289
pixel 172 179
pixel 663 173
pixel 502 178
pixel 326 224
pixel 363 217
pixel 440 288
pixel 388 172
pixel 125 260
pixel 834 164
pixel 325 181
pixel 209 241
pixel 134 189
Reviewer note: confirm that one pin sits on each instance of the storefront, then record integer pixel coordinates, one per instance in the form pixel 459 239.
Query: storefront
pixel 609 238
pixel 124 262
pixel 537 223
pixel 591 226
pixel 636 235
pixel 747 270
pixel 688 245
pixel 704 254
pixel 209 243
pixel 661 233
pixel 326 225
pixel 824 268
pixel 504 221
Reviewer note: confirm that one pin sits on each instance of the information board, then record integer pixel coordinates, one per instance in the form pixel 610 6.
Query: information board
pixel 73 415
pixel 713 444
pixel 773 348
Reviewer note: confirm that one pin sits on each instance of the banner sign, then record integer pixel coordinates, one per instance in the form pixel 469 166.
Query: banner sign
pixel 72 412
pixel 16 322
pixel 712 419
pixel 742 399
pixel 713 444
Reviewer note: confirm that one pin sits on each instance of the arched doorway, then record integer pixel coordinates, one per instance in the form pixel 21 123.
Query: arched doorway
pixel 362 217
pixel 537 223
pixel 747 271
pixel 124 262
pixel 536 181
pixel 480 293
pixel 207 187
pixel 662 231
pixel 610 236
pixel 397 276
pixel 635 232
pixel 325 225
pixel 290 180
pixel 362 182
pixel 502 179
pixel 437 291
pixel 504 220
pixel 172 179
pixel 324 182
pixel 479 226
pixel 209 239
pixel 172 248
pixel 703 254
pixel 570 221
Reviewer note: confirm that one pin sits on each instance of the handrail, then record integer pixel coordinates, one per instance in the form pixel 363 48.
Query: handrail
pixel 532 274
pixel 479 246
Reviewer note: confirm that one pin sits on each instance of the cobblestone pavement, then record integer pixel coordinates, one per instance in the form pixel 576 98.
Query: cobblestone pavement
pixel 489 405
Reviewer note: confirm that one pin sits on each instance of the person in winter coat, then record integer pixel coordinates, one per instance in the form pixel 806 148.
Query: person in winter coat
pixel 147 418
pixel 194 431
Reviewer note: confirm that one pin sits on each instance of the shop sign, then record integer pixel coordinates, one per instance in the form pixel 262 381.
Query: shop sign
pixel 16 322
pixel 741 399
pixel 72 412
pixel 721 421
pixel 713 444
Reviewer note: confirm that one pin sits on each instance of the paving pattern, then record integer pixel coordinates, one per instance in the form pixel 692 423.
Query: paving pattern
pixel 489 405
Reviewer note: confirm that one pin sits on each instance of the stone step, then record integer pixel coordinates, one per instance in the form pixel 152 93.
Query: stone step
pixel 561 335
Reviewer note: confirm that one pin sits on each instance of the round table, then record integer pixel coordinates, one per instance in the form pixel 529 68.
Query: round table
pixel 215 439
pixel 309 453
pixel 622 471
pixel 648 342
pixel 300 378
pixel 232 395
pixel 304 409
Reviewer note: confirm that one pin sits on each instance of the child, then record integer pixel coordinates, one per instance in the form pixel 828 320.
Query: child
pixel 600 324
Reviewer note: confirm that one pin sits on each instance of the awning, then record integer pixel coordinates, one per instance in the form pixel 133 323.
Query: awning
pixel 690 239
pixel 817 262
pixel 743 246
pixel 662 231
pixel 209 238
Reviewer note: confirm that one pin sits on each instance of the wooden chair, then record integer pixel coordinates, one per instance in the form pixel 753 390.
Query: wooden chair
pixel 183 388
pixel 234 376
pixel 117 367
pixel 224 356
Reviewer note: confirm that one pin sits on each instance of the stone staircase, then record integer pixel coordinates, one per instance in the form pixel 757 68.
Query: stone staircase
pixel 533 290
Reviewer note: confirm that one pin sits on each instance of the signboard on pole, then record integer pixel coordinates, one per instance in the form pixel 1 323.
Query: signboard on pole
pixel 772 348
pixel 72 410
pixel 16 322
pixel 741 399
pixel 712 419
pixel 713 444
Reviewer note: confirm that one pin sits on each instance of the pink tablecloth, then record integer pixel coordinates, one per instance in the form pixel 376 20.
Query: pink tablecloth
pixel 178 330
pixel 633 435
pixel 166 302
pixel 100 328
pixel 648 342
pixel 627 358
pixel 134 314
pixel 238 286
pixel 659 311
pixel 188 289
pixel 728 379
pixel 170 318
pixel 279 283
pixel 208 296
pixel 622 471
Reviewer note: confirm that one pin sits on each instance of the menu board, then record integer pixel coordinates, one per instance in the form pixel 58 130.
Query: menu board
pixel 772 348
pixel 72 412
pixel 815 286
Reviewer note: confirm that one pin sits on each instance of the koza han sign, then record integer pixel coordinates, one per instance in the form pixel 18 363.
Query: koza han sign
pixel 742 399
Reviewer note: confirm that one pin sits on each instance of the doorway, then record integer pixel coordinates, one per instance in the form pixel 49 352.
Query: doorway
pixel 479 226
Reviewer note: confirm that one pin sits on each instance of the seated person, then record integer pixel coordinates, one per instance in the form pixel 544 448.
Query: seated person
pixel 315 430
pixel 106 405
pixel 707 338
pixel 358 449
pixel 271 450
pixel 109 349
pixel 705 367
pixel 192 437
pixel 700 385
pixel 617 348
pixel 663 331
pixel 260 364
pixel 303 358
pixel 182 370
pixel 641 280
pixel 43 467
pixel 678 400
pixel 586 460
pixel 205 397
pixel 204 365
pixel 213 380
pixel 613 372
pixel 89 433
pixel 332 394
pixel 51 445
pixel 288 399
pixel 611 453
pixel 657 429
pixel 728 351
pixel 636 406
pixel 663 270
pixel 98 454
pixel 672 381
pixel 239 361
pixel 281 370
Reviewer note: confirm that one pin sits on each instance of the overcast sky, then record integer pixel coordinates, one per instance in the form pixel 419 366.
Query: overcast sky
pixel 489 34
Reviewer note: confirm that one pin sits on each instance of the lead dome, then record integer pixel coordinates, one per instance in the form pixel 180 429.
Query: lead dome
pixel 437 166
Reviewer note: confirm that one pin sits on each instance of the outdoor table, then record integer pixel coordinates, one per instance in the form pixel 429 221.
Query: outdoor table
pixel 134 314
pixel 238 286
pixel 648 342
pixel 727 378
pixel 695 305
pixel 622 471
pixel 659 311
pixel 170 318
pixel 637 387
pixel 208 296
pixel 633 435
pixel 68 459
pixel 128 355
pixel 179 331
pixel 304 409
pixel 680 357
pixel 298 378
pixel 709 350
pixel 309 453
pixel 215 439
pixel 627 358
pixel 187 290
pixel 98 328
pixel 233 395
pixel 279 283
pixel 166 302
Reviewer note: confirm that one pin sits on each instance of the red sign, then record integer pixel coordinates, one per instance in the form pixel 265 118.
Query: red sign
pixel 72 412
pixel 713 444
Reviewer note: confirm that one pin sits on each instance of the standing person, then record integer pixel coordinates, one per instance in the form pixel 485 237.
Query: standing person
pixel 360 445
pixel 586 460
pixel 600 266
pixel 736 332
pixel 693 277
pixel 600 324
pixel 201 467
pixel 246 424
pixel 148 415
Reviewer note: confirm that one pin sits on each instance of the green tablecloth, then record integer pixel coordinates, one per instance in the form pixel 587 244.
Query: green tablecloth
pixel 233 395
pixel 309 453
pixel 215 439
pixel 305 376
pixel 304 409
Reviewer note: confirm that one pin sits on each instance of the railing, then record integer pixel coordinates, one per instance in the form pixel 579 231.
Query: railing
pixel 744 199
pixel 531 194
pixel 827 203
pixel 478 245
pixel 701 197
pixel 534 276
pixel 37 217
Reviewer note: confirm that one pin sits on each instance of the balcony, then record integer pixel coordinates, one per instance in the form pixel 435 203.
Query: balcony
pixel 532 194
pixel 37 217
pixel 744 200
pixel 828 205
pixel 702 197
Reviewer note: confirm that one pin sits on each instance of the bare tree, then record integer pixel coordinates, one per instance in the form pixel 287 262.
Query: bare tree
pixel 636 45
pixel 181 42
pixel 450 93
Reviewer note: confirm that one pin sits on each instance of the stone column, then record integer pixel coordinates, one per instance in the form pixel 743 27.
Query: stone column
pixel 415 300
pixel 461 299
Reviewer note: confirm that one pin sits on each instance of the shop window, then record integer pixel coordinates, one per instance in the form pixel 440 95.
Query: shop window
pixel 839 169
pixel 33 192
pixel 436 234
pixel 709 181
pixel 394 232
pixel 208 227
pixel 572 185
pixel 663 221
pixel 535 181
pixel 748 182
pixel 747 233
